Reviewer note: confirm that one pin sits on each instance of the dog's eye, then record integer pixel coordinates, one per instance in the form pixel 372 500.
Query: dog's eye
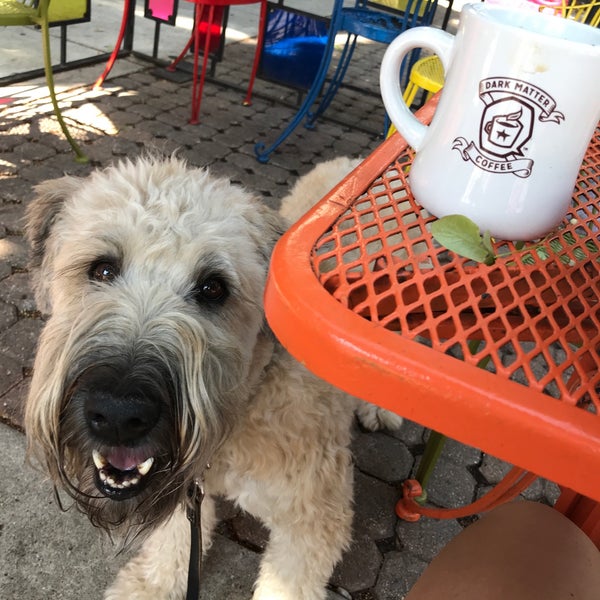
pixel 103 271
pixel 212 289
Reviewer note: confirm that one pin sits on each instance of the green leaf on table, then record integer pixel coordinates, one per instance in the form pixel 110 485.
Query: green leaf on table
pixel 461 235
pixel 487 242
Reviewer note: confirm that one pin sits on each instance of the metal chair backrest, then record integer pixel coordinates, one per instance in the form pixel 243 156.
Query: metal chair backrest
pixel 586 12
pixel 64 12
pixel 420 7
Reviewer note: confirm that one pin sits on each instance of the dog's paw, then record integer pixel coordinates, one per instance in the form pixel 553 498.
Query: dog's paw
pixel 136 581
pixel 373 417
pixel 277 593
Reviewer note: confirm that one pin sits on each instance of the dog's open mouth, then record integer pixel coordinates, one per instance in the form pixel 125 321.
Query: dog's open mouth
pixel 121 475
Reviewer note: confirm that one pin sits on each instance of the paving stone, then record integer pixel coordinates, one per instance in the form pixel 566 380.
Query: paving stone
pixel 16 290
pixel 535 492
pixel 36 173
pixel 375 502
pixel 13 191
pixel 451 485
pixel 551 492
pixel 494 469
pixel 205 154
pixel 125 148
pixel 8 315
pixel 460 454
pixel 220 580
pixel 145 110
pixel 382 456
pixel 9 142
pixel 11 372
pixel 360 566
pixel 20 341
pixel 12 402
pixel 426 537
pixel 8 167
pixel 272 173
pixel 399 573
pixel 126 118
pixel 5 270
pixel 14 250
pixel 411 433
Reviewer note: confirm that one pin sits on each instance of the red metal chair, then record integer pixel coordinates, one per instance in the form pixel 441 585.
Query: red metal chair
pixel 207 23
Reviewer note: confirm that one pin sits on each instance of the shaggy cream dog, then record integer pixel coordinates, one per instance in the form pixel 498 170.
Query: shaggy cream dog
pixel 157 373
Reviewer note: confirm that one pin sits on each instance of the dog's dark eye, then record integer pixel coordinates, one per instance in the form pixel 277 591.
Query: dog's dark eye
pixel 103 271
pixel 212 289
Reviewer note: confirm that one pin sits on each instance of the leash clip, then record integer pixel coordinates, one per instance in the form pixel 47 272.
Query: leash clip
pixel 195 495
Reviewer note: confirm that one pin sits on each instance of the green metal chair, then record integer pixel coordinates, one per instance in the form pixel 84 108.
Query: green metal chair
pixel 36 12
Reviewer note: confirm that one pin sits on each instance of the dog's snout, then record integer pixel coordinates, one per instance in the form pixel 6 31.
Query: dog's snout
pixel 120 420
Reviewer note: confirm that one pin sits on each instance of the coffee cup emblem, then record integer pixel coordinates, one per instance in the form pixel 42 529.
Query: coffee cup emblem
pixel 507 124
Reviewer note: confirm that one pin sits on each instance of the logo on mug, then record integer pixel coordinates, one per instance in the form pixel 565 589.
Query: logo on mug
pixel 507 124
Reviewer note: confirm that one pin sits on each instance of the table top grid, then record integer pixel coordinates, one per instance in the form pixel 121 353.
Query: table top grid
pixel 532 317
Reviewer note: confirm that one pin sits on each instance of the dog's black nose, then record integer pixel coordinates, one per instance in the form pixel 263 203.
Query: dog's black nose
pixel 120 420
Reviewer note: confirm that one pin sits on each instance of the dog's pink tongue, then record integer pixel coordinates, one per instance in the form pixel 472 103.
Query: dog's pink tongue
pixel 123 459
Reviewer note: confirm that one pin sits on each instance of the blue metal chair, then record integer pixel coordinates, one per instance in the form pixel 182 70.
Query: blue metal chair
pixel 376 21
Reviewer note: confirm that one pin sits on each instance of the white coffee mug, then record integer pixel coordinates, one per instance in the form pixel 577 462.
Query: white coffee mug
pixel 520 103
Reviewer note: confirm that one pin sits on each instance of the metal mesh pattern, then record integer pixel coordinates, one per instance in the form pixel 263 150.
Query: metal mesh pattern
pixel 532 317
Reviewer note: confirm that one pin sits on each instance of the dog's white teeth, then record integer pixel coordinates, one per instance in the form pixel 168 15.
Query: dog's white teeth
pixel 99 460
pixel 117 479
pixel 144 467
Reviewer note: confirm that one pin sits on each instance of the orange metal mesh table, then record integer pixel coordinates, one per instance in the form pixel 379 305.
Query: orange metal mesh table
pixel 361 294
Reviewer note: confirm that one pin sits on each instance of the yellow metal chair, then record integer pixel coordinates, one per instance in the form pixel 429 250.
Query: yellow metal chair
pixel 588 12
pixel 37 12
pixel 427 74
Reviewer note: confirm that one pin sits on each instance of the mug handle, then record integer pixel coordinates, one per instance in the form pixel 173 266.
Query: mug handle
pixel 438 41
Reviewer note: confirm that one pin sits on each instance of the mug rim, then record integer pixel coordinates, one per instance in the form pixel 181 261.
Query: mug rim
pixel 552 27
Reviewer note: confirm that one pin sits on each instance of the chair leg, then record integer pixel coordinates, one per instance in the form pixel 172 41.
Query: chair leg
pixel 262 23
pixel 198 86
pixel 79 155
pixel 113 57
pixel 336 81
pixel 181 56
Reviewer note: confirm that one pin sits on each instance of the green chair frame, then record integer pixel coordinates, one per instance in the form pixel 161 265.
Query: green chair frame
pixel 36 12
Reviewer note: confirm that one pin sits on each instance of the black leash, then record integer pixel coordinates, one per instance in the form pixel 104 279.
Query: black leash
pixel 195 495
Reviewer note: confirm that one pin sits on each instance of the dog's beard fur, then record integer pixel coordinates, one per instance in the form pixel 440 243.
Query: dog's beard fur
pixel 197 401
pixel 184 357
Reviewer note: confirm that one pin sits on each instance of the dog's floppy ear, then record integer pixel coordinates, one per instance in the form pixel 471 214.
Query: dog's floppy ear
pixel 40 218
pixel 41 214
